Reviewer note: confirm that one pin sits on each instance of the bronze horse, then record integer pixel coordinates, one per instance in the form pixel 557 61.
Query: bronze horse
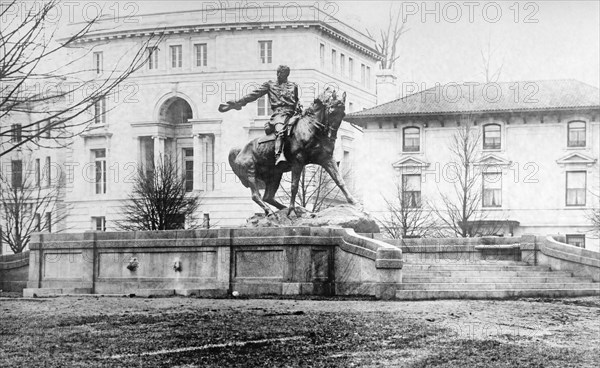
pixel 312 142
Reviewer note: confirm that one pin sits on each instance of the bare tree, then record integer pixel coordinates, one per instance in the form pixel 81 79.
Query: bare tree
pixel 594 217
pixel 407 216
pixel 387 42
pixel 28 206
pixel 490 69
pixel 594 213
pixel 460 210
pixel 316 190
pixel 159 200
pixel 34 76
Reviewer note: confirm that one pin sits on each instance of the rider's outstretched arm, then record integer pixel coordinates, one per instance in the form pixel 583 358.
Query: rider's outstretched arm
pixel 252 96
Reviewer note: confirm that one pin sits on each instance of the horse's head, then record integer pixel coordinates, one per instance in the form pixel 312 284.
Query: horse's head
pixel 329 111
pixel 336 110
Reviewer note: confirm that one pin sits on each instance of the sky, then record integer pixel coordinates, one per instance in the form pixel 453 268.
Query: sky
pixel 531 40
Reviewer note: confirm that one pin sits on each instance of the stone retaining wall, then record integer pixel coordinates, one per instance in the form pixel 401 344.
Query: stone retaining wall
pixel 459 250
pixel 291 260
pixel 14 270
pixel 565 257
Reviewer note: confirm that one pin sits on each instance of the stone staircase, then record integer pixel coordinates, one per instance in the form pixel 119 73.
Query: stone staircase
pixel 466 273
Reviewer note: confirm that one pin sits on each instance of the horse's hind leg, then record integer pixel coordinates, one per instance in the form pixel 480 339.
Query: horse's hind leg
pixel 271 189
pixel 296 172
pixel 332 169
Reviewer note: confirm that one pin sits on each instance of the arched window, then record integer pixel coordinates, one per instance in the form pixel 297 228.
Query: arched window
pixel 491 136
pixel 576 134
pixel 411 139
pixel 176 110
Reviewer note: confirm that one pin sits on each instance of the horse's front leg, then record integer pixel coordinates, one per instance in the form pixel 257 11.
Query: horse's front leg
pixel 332 169
pixel 251 178
pixel 296 173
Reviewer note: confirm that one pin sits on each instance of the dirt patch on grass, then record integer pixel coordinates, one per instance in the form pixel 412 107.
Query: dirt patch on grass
pixel 187 332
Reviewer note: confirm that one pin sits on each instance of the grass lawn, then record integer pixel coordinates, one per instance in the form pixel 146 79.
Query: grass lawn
pixel 190 332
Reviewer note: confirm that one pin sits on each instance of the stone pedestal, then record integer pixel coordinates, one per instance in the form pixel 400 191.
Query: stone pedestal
pixel 345 216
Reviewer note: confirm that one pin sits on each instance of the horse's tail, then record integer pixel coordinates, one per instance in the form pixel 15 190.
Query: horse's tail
pixel 233 153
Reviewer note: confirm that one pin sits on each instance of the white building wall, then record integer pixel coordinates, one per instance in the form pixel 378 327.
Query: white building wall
pixel 233 70
pixel 533 182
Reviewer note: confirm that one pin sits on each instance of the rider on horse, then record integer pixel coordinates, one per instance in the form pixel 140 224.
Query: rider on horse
pixel 283 96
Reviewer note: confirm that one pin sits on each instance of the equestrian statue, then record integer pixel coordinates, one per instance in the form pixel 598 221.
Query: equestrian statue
pixel 294 139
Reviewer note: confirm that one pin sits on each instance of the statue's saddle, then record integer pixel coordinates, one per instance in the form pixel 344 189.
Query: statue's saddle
pixel 266 138
pixel 289 130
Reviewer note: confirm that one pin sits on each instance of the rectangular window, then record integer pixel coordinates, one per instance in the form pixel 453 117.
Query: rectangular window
pixel 576 132
pixel 368 77
pixel 100 112
pixel 176 56
pixel 147 151
pixel 38 222
pixel 322 55
pixel 99 223
pixel 576 184
pixel 100 170
pixel 363 75
pixel 411 139
pixel 351 68
pixel 265 52
pixel 98 62
pixel 16 173
pixel 47 172
pixel 152 57
pixel 38 173
pixel 201 54
pixel 411 191
pixel 17 133
pixel 342 64
pixel 188 162
pixel 333 61
pixel 492 190
pixel 577 240
pixel 49 221
pixel 350 107
pixel 263 106
pixel 491 136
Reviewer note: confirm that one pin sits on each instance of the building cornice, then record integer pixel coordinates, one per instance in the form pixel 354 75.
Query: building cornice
pixel 161 25
pixel 434 115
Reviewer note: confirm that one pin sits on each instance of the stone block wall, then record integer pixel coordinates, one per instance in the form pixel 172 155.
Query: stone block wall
pixel 14 271
pixel 291 260
pixel 566 257
pixel 459 250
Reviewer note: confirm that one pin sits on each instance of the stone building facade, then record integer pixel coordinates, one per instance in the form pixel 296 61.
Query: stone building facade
pixel 170 106
pixel 538 151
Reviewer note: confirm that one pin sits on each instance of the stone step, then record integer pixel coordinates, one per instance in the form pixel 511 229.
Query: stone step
pixel 39 292
pixel 493 294
pixel 409 278
pixel 148 293
pixel 488 274
pixel 454 257
pixel 498 286
pixel 466 267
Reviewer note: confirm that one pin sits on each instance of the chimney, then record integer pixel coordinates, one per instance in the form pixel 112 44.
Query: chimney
pixel 387 90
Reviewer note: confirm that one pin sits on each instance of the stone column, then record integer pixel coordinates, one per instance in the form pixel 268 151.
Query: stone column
pixel 159 149
pixel 198 166
pixel 209 164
